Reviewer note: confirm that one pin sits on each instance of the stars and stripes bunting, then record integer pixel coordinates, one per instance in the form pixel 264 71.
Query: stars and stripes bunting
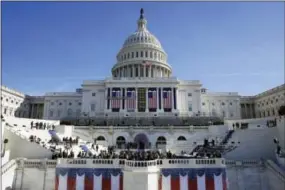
pixel 131 100
pixel 116 99
pixel 152 99
pixel 88 179
pixel 89 183
pixel 198 183
pixel 167 99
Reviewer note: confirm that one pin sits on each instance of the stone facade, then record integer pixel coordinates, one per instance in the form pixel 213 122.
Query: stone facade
pixel 265 104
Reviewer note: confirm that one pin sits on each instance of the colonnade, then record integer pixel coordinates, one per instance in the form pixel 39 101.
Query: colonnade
pixel 142 70
pixel 160 107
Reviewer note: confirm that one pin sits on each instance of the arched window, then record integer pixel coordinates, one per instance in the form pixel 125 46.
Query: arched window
pixel 181 138
pixel 161 140
pixel 100 138
pixel 120 140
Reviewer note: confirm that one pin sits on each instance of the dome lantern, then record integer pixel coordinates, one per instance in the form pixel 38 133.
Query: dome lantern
pixel 142 21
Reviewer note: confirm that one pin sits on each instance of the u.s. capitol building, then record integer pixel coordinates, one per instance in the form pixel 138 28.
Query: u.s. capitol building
pixel 141 85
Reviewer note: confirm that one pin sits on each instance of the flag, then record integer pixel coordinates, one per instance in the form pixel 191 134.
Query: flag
pixel 116 101
pixel 146 63
pixel 167 99
pixel 131 100
pixel 152 99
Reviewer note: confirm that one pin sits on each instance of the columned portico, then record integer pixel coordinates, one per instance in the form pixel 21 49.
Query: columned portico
pixel 155 95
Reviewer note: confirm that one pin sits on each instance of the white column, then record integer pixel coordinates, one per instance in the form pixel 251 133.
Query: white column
pixel 106 99
pixel 121 100
pixel 136 107
pixel 139 70
pixel 146 94
pixel 149 71
pixel 209 105
pixel 133 67
pixel 157 100
pixel 111 97
pixel 130 71
pixel 144 71
pixel 172 95
pixel 161 97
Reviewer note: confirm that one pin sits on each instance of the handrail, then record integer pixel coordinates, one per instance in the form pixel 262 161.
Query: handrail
pixel 275 169
pixel 7 166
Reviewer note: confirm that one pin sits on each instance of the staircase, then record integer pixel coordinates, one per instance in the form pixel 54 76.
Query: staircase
pixel 227 137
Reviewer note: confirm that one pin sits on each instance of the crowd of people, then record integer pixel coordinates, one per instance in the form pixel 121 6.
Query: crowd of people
pixel 271 123
pixel 70 140
pixel 149 121
pixel 62 154
pixel 41 125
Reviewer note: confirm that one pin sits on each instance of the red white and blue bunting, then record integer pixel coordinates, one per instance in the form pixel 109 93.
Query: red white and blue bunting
pixel 112 179
pixel 193 179
pixel 88 179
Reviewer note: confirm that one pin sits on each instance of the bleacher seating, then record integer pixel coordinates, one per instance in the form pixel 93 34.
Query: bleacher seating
pixel 143 121
pixel 50 139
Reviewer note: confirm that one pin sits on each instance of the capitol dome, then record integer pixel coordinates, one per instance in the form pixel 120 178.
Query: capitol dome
pixel 141 55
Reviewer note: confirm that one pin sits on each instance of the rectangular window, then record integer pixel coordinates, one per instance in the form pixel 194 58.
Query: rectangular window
pixel 189 94
pixel 146 54
pixel 92 107
pixel 141 53
pixel 93 94
pixel 137 54
pixel 132 54
pixel 189 106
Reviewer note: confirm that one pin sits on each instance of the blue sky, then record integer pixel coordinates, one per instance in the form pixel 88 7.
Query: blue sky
pixel 228 46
